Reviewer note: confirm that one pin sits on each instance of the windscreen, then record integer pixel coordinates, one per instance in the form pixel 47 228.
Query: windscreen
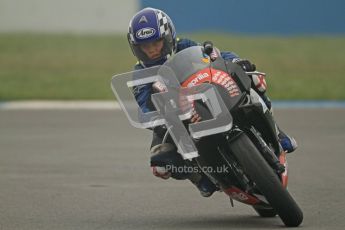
pixel 187 62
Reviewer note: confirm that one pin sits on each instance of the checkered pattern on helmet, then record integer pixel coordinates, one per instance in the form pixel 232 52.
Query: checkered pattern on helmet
pixel 163 23
pixel 130 32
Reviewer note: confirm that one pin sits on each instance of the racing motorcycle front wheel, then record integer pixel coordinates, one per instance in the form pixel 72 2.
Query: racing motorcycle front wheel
pixel 267 181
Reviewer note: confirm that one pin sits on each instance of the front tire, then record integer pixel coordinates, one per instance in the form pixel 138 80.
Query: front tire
pixel 266 180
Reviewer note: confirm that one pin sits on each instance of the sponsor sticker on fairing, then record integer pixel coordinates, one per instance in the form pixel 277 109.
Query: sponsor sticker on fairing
pixel 221 78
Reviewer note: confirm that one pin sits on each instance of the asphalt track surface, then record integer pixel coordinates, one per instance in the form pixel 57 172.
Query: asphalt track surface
pixel 65 169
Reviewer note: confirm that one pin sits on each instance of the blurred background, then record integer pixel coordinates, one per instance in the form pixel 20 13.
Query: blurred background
pixel 69 50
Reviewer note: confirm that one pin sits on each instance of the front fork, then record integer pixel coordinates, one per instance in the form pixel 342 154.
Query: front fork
pixel 266 151
pixel 279 164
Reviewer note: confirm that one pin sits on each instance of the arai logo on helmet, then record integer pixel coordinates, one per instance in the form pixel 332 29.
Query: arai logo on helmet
pixel 145 33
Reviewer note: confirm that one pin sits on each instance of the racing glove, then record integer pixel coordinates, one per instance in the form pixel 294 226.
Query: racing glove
pixel 211 51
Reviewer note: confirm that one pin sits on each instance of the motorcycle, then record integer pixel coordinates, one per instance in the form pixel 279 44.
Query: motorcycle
pixel 244 140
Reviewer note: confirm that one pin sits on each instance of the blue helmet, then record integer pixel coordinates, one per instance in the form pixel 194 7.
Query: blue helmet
pixel 150 25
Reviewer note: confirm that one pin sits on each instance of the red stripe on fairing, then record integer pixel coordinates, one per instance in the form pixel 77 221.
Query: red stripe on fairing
pixel 284 175
pixel 237 194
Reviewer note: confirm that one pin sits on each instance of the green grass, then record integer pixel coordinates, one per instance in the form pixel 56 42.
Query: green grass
pixel 60 66
pixel 36 66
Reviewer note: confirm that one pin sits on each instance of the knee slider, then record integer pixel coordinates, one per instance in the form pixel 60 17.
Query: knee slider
pixel 165 159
